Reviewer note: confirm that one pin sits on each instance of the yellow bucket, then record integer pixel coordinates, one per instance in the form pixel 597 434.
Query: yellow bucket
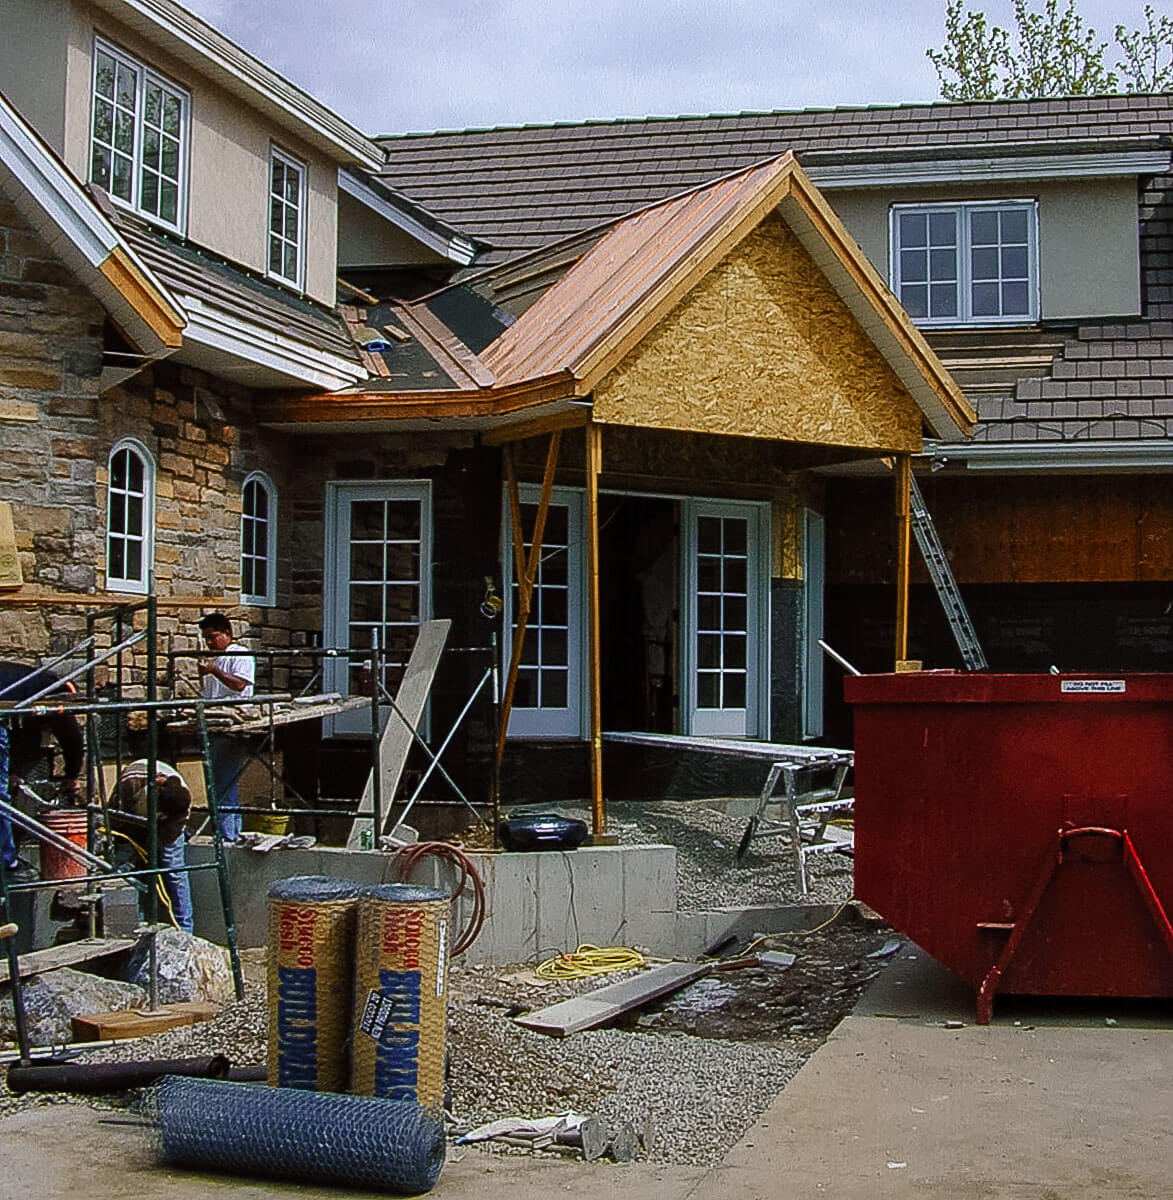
pixel 277 823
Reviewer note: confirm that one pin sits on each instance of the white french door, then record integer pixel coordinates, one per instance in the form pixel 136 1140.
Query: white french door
pixel 378 580
pixel 726 618
pixel 548 699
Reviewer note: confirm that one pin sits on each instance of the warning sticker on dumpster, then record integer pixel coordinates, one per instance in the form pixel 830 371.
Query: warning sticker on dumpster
pixel 1092 686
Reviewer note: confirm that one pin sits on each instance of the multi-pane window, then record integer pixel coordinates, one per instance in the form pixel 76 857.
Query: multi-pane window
pixel 966 263
pixel 138 139
pixel 722 612
pixel 130 518
pixel 286 205
pixel 258 540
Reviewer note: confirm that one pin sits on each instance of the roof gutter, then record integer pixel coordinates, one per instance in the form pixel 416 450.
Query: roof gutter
pixel 1135 456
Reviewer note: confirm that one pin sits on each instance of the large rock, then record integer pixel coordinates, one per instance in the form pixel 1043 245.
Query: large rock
pixel 189 968
pixel 52 999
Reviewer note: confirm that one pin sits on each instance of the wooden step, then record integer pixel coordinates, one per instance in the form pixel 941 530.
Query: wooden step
pixel 139 1022
pixel 37 962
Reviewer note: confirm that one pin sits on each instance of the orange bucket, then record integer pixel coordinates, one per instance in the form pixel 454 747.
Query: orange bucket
pixel 71 824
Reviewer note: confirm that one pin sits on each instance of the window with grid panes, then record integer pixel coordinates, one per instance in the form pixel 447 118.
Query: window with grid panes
pixel 286 204
pixel 966 263
pixel 130 518
pixel 258 539
pixel 138 136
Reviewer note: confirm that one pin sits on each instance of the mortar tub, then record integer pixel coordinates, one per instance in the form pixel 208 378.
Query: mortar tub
pixel 1017 827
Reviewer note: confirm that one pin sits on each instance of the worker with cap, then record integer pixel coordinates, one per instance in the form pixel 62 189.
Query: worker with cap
pixel 172 809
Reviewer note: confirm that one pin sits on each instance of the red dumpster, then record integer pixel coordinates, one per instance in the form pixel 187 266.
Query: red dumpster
pixel 1020 827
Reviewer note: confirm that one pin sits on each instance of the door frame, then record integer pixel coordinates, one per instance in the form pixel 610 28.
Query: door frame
pixel 335 560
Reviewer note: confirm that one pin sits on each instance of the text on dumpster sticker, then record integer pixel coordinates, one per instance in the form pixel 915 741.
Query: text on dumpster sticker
pixel 1092 686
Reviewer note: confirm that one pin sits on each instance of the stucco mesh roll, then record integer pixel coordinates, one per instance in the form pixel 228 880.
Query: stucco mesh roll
pixel 360 1142
pixel 311 973
pixel 401 994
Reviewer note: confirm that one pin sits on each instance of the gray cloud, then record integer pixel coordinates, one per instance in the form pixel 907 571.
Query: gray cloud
pixel 398 65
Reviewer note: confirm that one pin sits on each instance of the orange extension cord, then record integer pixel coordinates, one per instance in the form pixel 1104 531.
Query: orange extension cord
pixel 409 856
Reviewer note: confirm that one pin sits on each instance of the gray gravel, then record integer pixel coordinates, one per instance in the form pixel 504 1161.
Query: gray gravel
pixel 689 1098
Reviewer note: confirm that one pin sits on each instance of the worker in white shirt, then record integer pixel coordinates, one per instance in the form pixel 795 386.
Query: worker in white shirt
pixel 227 675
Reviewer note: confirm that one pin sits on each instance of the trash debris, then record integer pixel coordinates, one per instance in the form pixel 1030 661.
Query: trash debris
pixel 954 1024
pixel 887 949
pixel 569 1129
pixel 779 959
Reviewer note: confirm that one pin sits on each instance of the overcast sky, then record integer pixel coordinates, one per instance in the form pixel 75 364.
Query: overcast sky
pixel 391 66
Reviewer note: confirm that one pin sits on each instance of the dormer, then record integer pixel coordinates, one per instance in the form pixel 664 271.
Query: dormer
pixel 186 132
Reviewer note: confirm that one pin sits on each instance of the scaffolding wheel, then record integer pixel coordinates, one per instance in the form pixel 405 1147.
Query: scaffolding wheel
pixel 746 838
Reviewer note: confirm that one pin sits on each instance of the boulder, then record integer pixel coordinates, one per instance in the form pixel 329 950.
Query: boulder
pixel 52 999
pixel 189 968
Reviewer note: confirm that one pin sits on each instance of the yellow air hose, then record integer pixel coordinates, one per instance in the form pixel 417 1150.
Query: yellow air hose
pixel 589 960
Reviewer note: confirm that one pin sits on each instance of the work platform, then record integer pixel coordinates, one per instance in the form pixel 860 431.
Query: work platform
pixel 812 779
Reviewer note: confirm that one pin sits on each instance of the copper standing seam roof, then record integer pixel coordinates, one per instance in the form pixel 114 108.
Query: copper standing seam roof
pixel 627 282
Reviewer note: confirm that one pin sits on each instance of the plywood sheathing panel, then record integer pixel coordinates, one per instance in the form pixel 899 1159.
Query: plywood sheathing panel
pixel 1000 530
pixel 763 347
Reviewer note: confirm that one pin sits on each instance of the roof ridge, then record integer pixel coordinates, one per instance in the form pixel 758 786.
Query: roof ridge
pixel 652 119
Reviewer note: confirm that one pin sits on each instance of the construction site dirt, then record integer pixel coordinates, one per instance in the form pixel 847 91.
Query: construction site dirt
pixel 688 1074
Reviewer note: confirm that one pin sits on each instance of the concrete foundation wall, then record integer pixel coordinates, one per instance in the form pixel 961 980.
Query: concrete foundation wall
pixel 536 904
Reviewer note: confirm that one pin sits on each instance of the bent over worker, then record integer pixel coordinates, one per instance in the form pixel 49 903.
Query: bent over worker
pixel 172 809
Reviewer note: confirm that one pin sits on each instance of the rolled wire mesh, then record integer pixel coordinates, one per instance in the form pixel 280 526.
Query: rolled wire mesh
pixel 312 1137
pixel 401 994
pixel 311 975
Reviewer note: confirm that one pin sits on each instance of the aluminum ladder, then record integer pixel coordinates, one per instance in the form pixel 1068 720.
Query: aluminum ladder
pixel 942 576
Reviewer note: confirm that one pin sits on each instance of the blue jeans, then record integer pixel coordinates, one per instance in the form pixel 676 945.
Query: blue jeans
pixel 177 883
pixel 228 757
pixel 7 844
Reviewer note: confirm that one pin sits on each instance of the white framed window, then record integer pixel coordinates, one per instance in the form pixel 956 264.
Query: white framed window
pixel 258 540
pixel 139 137
pixel 130 518
pixel 286 218
pixel 966 264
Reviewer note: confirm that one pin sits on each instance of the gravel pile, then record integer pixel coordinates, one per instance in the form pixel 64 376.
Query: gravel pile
pixel 689 1099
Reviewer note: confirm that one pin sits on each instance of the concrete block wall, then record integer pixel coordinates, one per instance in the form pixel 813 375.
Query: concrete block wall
pixel 536 904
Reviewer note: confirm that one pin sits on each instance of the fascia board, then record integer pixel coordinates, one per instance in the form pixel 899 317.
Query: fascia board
pixel 75 229
pixel 950 169
pixel 455 249
pixel 872 304
pixel 1134 455
pixel 218 330
pixel 210 52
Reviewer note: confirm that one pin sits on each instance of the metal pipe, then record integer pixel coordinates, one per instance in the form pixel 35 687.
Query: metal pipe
pixel 113 706
pixel 82 645
pixel 837 657
pixel 96 1078
pixel 18 1013
pixel 45 834
pixel 22 704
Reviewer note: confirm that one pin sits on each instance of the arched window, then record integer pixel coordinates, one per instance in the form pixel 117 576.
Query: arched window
pixel 130 518
pixel 258 540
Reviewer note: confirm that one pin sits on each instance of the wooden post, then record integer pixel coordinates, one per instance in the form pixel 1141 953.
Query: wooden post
pixel 903 477
pixel 527 572
pixel 594 461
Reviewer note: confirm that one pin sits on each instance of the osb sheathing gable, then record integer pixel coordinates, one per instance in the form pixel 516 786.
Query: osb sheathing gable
pixel 763 347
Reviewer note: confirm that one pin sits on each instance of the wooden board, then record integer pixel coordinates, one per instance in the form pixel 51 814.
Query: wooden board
pixel 96 1027
pixel 606 1003
pixel 37 962
pixel 397 739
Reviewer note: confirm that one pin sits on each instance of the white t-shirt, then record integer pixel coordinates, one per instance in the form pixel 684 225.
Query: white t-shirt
pixel 240 664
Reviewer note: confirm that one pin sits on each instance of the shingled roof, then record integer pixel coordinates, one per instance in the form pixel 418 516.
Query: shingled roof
pixel 526 186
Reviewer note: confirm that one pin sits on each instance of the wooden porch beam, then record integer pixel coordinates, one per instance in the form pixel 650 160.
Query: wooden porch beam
pixel 594 463
pixel 503 435
pixel 527 574
pixel 903 478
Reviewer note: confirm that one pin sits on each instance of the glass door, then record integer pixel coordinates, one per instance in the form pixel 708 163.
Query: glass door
pixel 547 701
pixel 378 556
pixel 726 619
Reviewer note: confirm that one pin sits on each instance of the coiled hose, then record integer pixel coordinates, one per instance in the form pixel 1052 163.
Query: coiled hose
pixel 410 856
